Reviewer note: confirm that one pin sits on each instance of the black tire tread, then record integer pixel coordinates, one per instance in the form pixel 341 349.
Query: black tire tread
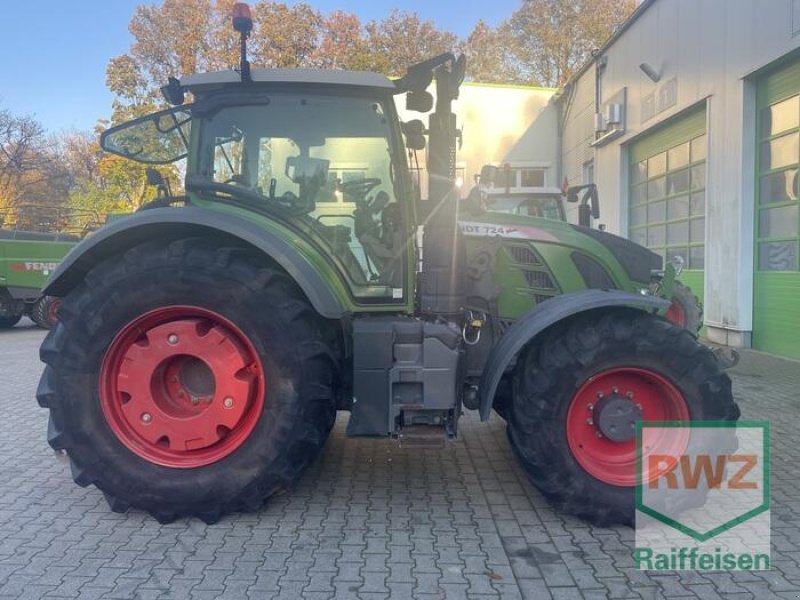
pixel 65 347
pixel 562 360
pixel 9 322
pixel 692 307
pixel 40 312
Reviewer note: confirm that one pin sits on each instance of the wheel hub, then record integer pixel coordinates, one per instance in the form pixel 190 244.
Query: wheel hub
pixel 601 420
pixel 615 417
pixel 181 387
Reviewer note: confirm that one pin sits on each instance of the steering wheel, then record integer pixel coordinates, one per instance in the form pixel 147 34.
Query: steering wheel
pixel 359 187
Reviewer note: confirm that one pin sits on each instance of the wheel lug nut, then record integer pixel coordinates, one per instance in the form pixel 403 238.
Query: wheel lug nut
pixel 172 339
pixel 598 434
pixel 228 402
pixel 589 421
pixel 146 417
pixel 599 394
pixel 590 406
pixel 195 400
pixel 615 390
pixel 629 395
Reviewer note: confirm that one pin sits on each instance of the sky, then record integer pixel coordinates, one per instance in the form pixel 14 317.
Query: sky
pixel 53 53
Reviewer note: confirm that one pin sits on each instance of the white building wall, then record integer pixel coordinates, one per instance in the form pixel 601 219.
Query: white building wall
pixel 501 123
pixel 710 47
pixel 578 134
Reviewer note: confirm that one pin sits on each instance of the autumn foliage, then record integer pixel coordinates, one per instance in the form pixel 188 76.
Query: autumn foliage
pixel 542 43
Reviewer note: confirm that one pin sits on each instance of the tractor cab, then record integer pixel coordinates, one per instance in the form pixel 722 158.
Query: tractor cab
pixel 317 151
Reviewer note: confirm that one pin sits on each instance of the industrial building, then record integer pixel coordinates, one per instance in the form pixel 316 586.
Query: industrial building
pixel 688 121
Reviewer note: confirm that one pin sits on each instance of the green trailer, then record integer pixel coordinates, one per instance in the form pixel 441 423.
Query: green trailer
pixel 33 240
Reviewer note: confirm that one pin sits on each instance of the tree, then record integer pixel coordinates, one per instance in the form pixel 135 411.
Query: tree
pixel 342 44
pixel 402 39
pixel 30 172
pixel 489 58
pixel 180 37
pixel 286 36
pixel 550 39
pixel 101 182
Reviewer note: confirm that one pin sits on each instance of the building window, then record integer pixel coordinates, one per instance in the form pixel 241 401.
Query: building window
pixel 667 202
pixel 778 207
pixel 588 172
pixel 531 178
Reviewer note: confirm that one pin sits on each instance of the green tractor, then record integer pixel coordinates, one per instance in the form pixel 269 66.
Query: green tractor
pixel 33 240
pixel 206 342
pixel 603 262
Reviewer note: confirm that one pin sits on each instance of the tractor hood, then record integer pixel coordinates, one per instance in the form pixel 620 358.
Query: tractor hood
pixel 637 260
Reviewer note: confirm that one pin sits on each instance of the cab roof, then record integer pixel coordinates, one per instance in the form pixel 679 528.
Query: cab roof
pixel 364 79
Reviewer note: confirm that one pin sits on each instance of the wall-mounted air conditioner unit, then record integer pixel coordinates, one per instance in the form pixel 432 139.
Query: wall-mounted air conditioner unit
pixel 599 123
pixel 613 115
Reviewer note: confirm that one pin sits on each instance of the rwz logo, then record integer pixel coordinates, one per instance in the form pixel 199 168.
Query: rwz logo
pixel 702 495
pixel 693 469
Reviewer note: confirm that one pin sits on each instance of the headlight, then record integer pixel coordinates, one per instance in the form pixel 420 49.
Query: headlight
pixel 677 264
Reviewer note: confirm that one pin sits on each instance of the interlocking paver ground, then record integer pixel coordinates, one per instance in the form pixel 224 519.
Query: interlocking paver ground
pixel 368 521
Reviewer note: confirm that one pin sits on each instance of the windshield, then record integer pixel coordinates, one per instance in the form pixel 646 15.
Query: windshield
pixel 160 138
pixel 326 163
pixel 545 207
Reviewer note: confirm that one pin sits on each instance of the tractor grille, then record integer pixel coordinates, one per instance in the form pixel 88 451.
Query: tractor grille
pixel 540 280
pixel 525 256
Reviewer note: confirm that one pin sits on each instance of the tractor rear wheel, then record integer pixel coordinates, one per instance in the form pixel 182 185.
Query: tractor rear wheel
pixel 45 312
pixel 572 390
pixel 188 379
pixel 686 310
pixel 9 322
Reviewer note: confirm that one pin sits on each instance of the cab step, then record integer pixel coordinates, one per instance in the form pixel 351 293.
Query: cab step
pixel 423 437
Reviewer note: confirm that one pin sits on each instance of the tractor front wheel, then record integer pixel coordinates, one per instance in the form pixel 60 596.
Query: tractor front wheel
pixel 10 321
pixel 686 309
pixel 45 312
pixel 579 392
pixel 188 379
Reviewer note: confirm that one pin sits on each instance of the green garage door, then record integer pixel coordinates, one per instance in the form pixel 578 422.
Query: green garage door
pixel 668 193
pixel 776 290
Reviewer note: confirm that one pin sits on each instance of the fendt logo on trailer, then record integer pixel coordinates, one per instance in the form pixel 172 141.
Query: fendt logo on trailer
pixel 39 267
pixel 702 496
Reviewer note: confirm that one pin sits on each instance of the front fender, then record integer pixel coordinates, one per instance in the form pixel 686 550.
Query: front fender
pixel 540 318
pixel 117 237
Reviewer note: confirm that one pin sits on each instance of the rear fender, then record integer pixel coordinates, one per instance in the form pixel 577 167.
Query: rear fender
pixel 164 223
pixel 543 316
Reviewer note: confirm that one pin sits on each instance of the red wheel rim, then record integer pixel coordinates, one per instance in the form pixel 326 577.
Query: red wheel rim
pixel 676 314
pixel 615 462
pixel 52 311
pixel 181 386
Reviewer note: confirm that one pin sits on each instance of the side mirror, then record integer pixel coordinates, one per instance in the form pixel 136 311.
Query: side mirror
pixel 419 101
pixel 173 92
pixel 154 177
pixel 415 134
pixel 590 203
pixel 488 175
